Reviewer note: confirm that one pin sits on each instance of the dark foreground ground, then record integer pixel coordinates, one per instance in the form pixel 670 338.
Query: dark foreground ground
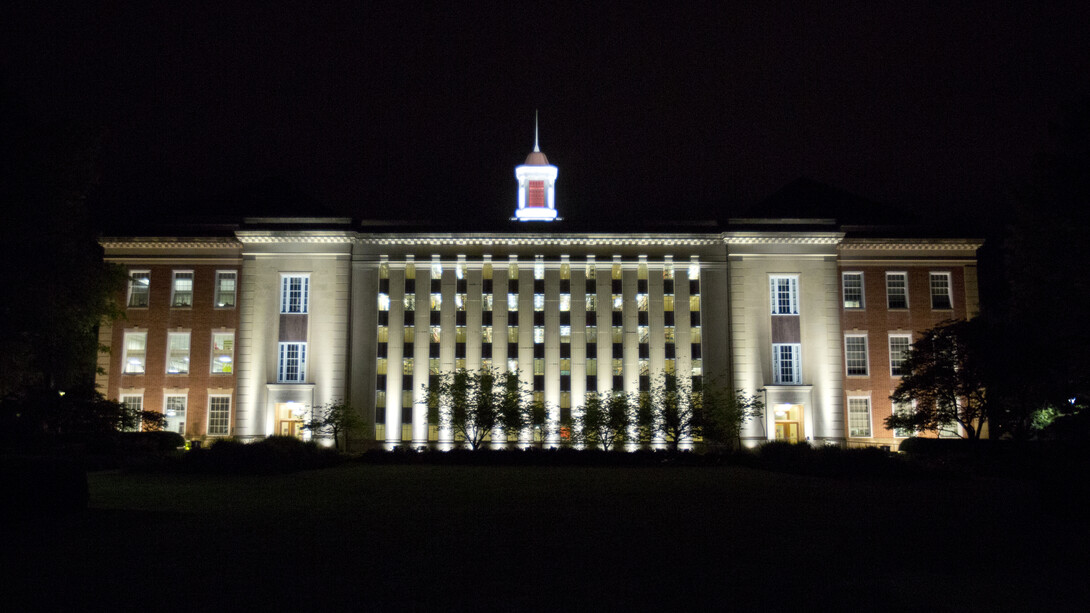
pixel 367 537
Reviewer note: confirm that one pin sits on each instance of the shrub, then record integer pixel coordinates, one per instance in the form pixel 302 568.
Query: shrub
pixel 275 454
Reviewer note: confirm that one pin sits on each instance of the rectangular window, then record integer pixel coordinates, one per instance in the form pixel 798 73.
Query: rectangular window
pixel 565 302
pixel 535 194
pixel 786 363
pixel 219 415
pixel 859 417
pixel 134 402
pixel 293 363
pixel 182 290
pixel 897 290
pixel 853 290
pixel 903 408
pixel 223 352
pixel 784 295
pixel 174 412
pixel 855 355
pixel 940 291
pixel 135 355
pixel 139 288
pixel 513 302
pixel 178 353
pixel 295 293
pixel 898 347
pixel 225 289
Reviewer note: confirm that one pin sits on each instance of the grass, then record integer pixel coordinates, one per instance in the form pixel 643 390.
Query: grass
pixel 371 537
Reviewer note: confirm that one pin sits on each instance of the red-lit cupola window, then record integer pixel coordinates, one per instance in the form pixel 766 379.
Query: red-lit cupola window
pixel 535 194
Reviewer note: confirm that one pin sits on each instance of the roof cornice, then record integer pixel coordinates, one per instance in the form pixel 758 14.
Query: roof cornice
pixel 910 244
pixel 168 242
pixel 261 237
pixel 515 240
pixel 782 238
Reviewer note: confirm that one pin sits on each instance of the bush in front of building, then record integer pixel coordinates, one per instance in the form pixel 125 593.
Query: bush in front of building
pixel 832 461
pixel 275 454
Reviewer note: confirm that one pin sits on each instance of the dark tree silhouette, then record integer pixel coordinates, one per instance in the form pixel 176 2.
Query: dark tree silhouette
pixel 945 379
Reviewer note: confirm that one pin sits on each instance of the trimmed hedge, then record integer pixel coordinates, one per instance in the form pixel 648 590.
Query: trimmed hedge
pixel 275 454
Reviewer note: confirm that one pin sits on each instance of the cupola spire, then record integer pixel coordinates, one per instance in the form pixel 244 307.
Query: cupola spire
pixel 537 180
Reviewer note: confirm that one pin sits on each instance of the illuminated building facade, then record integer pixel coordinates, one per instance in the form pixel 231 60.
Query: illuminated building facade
pixel 807 314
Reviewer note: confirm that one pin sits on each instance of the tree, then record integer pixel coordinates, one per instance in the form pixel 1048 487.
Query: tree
pixel 474 404
pixel 1046 264
pixel 49 339
pixel 723 413
pixel 603 420
pixel 681 413
pixel 336 419
pixel 944 377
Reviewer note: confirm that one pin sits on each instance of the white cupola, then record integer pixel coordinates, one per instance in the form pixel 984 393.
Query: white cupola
pixel 537 178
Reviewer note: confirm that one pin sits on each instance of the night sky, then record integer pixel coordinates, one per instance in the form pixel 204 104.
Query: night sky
pixel 393 110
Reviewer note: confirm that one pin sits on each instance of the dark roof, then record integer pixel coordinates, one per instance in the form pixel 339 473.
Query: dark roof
pixel 805 198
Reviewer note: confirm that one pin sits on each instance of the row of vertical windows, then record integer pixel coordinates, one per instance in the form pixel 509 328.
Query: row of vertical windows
pixel 181 289
pixel 856 357
pixel 860 418
pixel 537 324
pixel 134 353
pixel 897 290
pixel 174 411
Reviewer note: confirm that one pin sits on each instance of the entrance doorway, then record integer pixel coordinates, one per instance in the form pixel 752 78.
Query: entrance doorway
pixel 289 419
pixel 788 421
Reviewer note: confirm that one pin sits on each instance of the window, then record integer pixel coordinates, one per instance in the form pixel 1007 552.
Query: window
pixel 293 363
pixel 134 357
pixel 940 291
pixel 855 355
pixel 219 415
pixel 785 295
pixel 178 353
pixel 901 408
pixel 898 346
pixel 174 413
pixel 223 352
pixel 859 417
pixel 512 302
pixel 853 290
pixel 139 288
pixel 294 293
pixel 135 402
pixel 786 365
pixel 897 290
pixel 182 290
pixel 225 289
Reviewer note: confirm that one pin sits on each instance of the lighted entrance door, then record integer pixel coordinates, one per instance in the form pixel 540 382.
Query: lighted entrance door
pixel 788 422
pixel 289 419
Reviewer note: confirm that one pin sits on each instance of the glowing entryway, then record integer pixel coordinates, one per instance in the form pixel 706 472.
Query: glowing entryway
pixel 289 419
pixel 788 422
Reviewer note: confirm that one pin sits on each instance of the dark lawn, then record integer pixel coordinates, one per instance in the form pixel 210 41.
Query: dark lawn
pixel 502 538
